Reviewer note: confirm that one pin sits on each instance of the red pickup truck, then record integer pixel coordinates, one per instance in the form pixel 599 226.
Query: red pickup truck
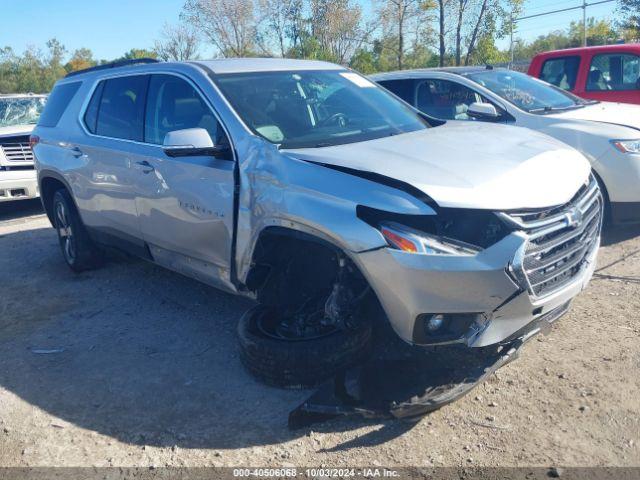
pixel 609 73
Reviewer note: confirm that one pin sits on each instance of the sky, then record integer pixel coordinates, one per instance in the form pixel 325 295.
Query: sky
pixel 112 27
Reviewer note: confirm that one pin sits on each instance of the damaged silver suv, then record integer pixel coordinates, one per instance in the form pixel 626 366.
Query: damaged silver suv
pixel 308 188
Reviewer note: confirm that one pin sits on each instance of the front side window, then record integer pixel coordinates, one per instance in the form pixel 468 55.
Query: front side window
pixel 121 109
pixel 525 92
pixel 561 72
pixel 305 109
pixel 405 89
pixel 173 104
pixel 617 72
pixel 444 99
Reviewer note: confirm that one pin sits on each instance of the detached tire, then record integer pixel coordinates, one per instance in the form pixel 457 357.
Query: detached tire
pixel 78 250
pixel 302 363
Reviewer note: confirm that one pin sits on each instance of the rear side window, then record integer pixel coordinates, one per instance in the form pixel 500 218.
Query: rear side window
pixel 57 103
pixel 614 71
pixel 561 72
pixel 121 107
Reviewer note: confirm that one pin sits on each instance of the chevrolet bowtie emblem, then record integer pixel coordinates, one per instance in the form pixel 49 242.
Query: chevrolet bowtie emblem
pixel 574 217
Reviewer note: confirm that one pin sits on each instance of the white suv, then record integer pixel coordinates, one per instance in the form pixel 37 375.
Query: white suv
pixel 18 116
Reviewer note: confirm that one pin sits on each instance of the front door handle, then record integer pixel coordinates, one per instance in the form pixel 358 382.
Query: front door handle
pixel 144 166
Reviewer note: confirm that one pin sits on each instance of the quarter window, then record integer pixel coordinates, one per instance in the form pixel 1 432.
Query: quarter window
pixel 561 72
pixel 173 104
pixel 91 115
pixel 121 109
pixel 614 71
pixel 57 104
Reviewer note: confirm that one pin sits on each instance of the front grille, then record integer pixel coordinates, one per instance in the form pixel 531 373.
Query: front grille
pixel 17 152
pixel 561 239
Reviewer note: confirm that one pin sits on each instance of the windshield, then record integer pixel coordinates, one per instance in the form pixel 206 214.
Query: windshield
pixel 316 108
pixel 20 111
pixel 525 92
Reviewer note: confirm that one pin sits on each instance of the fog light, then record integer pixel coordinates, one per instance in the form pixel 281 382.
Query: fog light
pixel 435 323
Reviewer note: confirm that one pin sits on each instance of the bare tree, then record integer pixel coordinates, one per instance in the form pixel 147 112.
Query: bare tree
pixel 178 42
pixel 338 27
pixel 402 18
pixel 230 25
pixel 442 30
pixel 282 18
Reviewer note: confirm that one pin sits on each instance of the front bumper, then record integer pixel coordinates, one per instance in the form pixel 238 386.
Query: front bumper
pixel 18 185
pixel 410 285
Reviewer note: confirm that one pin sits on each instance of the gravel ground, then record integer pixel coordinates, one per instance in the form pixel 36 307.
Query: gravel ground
pixel 132 365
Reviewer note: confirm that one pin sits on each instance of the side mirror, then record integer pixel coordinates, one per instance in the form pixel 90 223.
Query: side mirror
pixel 191 142
pixel 483 111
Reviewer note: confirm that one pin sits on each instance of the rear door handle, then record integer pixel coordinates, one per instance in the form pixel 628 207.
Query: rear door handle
pixel 76 152
pixel 144 166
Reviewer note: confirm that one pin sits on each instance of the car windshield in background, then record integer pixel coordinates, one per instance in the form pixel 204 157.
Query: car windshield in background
pixel 20 111
pixel 527 93
pixel 316 108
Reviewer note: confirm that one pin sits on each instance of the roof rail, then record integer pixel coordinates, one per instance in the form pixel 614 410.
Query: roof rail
pixel 119 63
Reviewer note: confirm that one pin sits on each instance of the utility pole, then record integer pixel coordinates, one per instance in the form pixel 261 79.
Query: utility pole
pixel 584 23
pixel 511 44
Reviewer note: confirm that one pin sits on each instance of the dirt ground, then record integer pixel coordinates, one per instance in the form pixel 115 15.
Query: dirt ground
pixel 132 365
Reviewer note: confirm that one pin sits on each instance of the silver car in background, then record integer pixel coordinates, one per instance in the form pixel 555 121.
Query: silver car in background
pixel 18 115
pixel 308 188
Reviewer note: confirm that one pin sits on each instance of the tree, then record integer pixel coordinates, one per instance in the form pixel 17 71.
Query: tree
pixel 337 25
pixel 442 29
pixel 230 25
pixel 177 43
pixel 401 19
pixel 80 59
pixel 136 53
pixel 283 19
pixel 630 13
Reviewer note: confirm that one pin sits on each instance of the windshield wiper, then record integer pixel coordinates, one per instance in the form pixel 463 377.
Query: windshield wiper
pixel 549 109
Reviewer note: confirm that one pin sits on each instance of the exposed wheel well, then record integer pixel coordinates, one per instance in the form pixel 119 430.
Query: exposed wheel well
pixel 48 187
pixel 290 267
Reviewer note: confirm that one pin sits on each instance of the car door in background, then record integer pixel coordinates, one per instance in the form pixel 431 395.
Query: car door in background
pixel 185 204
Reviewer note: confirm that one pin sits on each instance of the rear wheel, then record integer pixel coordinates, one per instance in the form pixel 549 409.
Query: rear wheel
pixel 78 250
pixel 281 355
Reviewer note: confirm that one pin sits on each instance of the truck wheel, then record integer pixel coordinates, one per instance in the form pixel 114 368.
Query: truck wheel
pixel 78 249
pixel 298 362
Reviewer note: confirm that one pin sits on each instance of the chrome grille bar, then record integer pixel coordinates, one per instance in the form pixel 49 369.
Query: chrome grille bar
pixel 561 239
pixel 17 152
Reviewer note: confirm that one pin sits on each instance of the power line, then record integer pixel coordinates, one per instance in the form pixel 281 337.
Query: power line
pixel 582 7
pixel 579 7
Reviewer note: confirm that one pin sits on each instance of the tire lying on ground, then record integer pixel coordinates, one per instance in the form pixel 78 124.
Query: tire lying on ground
pixel 299 363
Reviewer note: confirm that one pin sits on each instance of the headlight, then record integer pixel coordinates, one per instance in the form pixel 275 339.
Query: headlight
pixel 627 146
pixel 413 241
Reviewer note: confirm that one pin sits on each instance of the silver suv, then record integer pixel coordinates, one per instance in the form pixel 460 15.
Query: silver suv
pixel 306 187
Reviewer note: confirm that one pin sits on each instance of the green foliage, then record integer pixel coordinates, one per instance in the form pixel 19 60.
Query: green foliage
pixel 37 71
pixel 137 53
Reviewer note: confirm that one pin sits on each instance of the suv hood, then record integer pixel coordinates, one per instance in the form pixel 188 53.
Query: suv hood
pixel 16 130
pixel 615 113
pixel 468 165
